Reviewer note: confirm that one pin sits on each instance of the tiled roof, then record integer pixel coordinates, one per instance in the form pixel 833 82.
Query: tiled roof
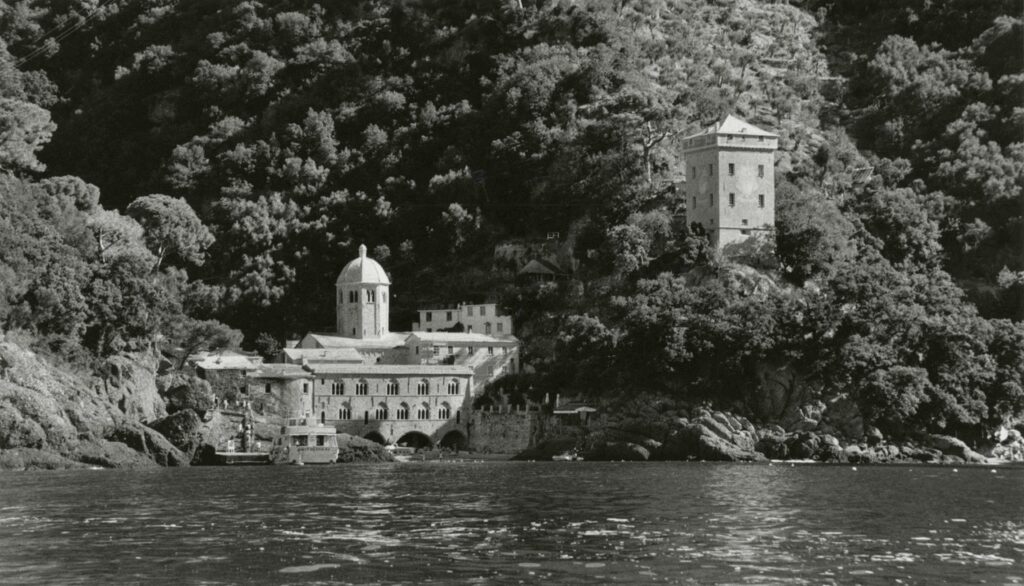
pixel 733 125
pixel 389 340
pixel 324 354
pixel 461 337
pixel 390 369
pixel 277 370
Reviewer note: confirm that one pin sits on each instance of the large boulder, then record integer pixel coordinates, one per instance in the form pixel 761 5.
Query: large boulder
pixel 951 446
pixel 710 438
pixel 149 442
pixel 844 417
pixel 804 445
pixel 184 429
pixel 112 454
pixel 773 446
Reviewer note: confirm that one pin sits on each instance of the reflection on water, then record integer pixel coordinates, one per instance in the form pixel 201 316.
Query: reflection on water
pixel 509 522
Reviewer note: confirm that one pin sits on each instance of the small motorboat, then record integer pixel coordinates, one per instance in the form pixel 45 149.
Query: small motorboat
pixel 401 453
pixel 303 442
pixel 570 456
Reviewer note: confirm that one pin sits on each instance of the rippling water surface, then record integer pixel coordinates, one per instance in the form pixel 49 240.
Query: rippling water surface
pixel 512 522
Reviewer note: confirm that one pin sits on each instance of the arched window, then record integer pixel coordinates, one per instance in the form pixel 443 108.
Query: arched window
pixel 383 296
pixel 403 412
pixel 345 413
pixel 366 416
pixel 423 412
pixel 392 387
pixel 453 387
pixel 381 412
pixel 337 387
pixel 444 411
pixel 362 388
pixel 353 296
pixel 323 417
pixel 423 387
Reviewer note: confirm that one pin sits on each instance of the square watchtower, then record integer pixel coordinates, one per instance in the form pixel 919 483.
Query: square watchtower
pixel 730 180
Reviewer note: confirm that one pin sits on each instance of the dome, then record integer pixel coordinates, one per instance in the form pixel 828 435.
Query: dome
pixel 363 270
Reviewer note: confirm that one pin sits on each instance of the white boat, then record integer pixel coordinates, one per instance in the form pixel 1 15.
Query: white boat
pixel 303 441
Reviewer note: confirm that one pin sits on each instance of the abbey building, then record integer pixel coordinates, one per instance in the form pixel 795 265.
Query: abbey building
pixel 395 387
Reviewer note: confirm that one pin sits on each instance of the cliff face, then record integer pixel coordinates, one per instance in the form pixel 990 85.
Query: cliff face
pixel 52 418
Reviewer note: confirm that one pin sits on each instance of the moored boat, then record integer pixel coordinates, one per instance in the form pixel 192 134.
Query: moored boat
pixel 304 442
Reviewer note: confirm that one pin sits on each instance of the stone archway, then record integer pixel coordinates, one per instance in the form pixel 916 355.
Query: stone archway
pixel 375 436
pixel 415 439
pixel 453 440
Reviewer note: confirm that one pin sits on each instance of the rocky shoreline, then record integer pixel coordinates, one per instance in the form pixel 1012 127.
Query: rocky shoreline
pixel 723 437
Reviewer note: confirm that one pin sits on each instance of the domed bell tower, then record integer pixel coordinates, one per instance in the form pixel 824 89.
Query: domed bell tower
pixel 362 298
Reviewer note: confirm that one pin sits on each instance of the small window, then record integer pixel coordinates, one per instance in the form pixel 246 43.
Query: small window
pixel 760 200
pixel 760 139
pixel 366 416
pixel 469 329
pixel 451 350
pixel 266 388
pixel 711 199
pixel 423 387
pixel 392 388
pixel 744 222
pixel 487 328
pixel 469 310
pixel 483 310
pixel 362 388
pixel 745 232
pixel 305 388
pixel 711 168
pixel 453 387
pixel 490 350
pixel 430 316
pixel 448 316
pixel 383 296
pixel 760 170
pixel 732 167
pixel 693 172
pixel 732 200
pixel 417 350
pixel 695 202
pixel 437 350
pixel 501 327
pixel 320 438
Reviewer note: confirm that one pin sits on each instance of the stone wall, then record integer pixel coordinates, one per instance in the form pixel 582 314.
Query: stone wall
pixel 503 432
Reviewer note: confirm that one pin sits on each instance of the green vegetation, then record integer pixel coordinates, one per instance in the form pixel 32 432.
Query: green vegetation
pixel 286 133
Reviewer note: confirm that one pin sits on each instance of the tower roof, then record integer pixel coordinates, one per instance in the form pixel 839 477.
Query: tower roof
pixel 733 125
pixel 363 270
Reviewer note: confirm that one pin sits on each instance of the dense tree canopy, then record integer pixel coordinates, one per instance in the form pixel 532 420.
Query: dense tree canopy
pixel 286 133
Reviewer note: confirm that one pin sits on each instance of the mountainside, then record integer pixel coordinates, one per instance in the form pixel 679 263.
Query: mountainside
pixel 178 174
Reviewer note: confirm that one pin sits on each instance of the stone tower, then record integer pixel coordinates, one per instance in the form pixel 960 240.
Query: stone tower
pixel 362 302
pixel 730 180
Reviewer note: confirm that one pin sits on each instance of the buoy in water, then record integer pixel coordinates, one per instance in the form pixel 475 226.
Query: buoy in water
pixel 854 468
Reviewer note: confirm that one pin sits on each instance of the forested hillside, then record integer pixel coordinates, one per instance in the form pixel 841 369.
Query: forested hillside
pixel 432 130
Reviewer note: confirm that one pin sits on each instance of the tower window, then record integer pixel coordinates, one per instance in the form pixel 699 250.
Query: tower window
pixel 711 199
pixel 760 170
pixel 711 168
pixel 383 296
pixel 353 296
pixel 760 200
pixel 732 200
pixel 732 168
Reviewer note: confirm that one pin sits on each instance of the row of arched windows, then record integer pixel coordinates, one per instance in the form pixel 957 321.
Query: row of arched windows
pixel 381 412
pixel 392 387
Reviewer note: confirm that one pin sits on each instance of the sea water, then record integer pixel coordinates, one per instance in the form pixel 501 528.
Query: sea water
pixel 515 522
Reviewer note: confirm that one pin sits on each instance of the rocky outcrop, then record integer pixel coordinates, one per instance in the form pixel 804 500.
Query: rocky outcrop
pixel 51 416
pixel 184 429
pixel 356 449
pixel 713 436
